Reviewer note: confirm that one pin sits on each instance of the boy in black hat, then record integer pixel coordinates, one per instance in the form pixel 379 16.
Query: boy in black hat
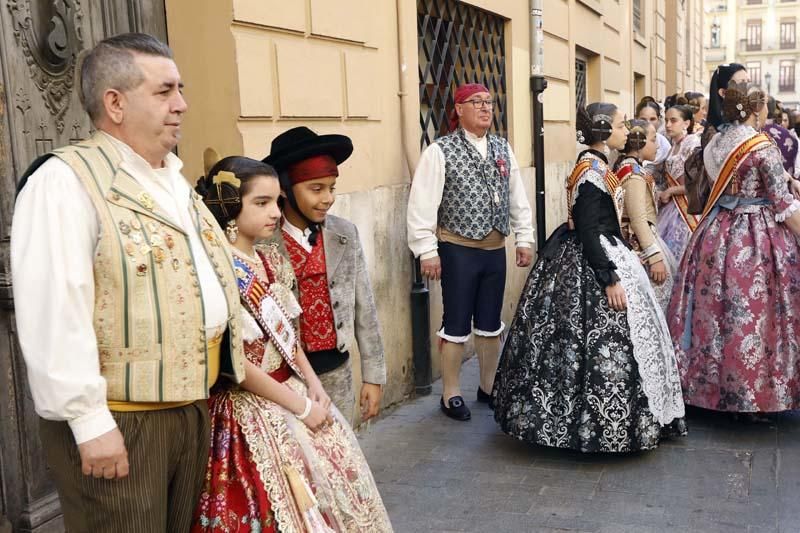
pixel 333 284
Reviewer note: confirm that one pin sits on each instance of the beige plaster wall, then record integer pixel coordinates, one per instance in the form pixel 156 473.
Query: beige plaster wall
pixel 254 68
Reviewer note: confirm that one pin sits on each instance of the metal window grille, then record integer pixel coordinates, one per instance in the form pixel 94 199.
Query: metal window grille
pixel 458 44
pixel 580 83
pixel 637 16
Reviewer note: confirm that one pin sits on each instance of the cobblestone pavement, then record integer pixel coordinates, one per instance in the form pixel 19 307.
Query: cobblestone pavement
pixel 436 474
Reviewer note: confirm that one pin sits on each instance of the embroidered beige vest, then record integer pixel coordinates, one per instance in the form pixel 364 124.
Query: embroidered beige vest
pixel 148 314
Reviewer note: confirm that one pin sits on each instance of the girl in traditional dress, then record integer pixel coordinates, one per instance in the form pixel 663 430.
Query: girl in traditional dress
pixel 641 207
pixel 734 312
pixel 588 363
pixel 675 223
pixel 649 110
pixel 699 106
pixel 280 422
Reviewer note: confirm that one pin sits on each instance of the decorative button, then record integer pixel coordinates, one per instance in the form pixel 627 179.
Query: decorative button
pixel 339 325
pixel 333 283
pixel 341 347
pixel 336 305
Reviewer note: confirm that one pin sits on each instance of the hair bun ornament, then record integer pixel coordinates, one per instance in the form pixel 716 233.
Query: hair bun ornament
pixel 225 176
pixel 579 136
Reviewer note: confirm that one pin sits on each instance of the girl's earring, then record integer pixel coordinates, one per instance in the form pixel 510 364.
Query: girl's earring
pixel 232 231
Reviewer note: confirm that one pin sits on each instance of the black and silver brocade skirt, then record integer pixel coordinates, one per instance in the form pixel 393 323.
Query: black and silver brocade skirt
pixel 567 377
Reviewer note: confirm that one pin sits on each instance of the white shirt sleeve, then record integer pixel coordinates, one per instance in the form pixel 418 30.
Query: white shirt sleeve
pixel 520 215
pixel 54 234
pixel 423 203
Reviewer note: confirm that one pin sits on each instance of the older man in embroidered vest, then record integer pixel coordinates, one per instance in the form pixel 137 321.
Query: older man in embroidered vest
pixel 466 198
pixel 126 302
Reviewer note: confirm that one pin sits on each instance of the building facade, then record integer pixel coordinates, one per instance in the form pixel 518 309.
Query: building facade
pixel 381 71
pixel 761 35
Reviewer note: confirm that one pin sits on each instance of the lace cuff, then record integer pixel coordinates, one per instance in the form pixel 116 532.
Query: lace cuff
pixel 607 276
pixel 789 211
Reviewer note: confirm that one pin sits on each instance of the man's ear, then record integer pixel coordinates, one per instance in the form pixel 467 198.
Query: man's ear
pixel 114 103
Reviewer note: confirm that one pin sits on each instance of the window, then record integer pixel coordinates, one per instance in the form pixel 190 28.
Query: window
pixel 786 76
pixel 788 34
pixel 753 34
pixel 754 70
pixel 638 26
pixel 458 44
pixel 715 35
pixel 580 83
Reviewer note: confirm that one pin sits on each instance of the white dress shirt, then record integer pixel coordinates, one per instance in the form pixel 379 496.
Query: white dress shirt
pixel 54 236
pixel 300 236
pixel 426 196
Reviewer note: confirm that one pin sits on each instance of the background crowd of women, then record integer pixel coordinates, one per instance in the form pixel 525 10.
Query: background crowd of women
pixel 674 281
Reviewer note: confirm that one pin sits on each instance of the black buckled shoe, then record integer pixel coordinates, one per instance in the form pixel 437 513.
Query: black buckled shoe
pixel 455 408
pixel 485 398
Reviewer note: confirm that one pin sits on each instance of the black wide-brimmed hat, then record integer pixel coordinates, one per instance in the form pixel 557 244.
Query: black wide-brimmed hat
pixel 300 143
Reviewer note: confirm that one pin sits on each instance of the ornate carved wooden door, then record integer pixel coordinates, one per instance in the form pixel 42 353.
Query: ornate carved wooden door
pixel 39 110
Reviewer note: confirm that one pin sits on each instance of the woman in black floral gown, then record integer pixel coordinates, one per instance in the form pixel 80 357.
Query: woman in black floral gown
pixel 589 363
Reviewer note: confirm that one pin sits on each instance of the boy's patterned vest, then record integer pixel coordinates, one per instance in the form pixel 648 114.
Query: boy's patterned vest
pixel 148 313
pixel 475 199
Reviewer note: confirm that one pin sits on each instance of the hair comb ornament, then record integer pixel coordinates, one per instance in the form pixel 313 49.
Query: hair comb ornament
pixel 599 119
pixel 224 176
pixel 210 158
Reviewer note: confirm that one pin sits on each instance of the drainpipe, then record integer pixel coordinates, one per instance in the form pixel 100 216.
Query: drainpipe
pixel 538 85
pixel 420 296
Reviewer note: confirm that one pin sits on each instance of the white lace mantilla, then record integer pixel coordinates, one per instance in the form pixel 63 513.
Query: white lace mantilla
pixel 652 344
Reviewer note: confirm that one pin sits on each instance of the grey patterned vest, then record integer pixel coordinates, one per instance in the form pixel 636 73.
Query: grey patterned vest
pixel 475 199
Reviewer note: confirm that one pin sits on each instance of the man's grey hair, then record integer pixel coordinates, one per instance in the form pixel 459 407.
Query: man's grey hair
pixel 110 65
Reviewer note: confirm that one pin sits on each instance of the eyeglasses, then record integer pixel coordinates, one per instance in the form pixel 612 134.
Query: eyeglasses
pixel 477 104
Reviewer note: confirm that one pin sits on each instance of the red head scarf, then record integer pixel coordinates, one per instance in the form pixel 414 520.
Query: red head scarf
pixel 314 167
pixel 463 92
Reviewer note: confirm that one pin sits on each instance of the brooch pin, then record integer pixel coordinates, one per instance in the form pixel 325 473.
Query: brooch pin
pixel 146 200
pixel 210 237
pixel 176 264
pixel 169 241
pixel 501 165
pixel 124 228
pixel 135 224
pixel 158 254
pixel 137 237
pixel 141 270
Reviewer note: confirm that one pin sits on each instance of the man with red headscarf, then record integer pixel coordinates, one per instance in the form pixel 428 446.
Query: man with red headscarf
pixel 466 198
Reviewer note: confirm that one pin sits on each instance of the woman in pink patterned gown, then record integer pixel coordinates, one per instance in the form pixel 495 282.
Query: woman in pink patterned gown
pixel 735 308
